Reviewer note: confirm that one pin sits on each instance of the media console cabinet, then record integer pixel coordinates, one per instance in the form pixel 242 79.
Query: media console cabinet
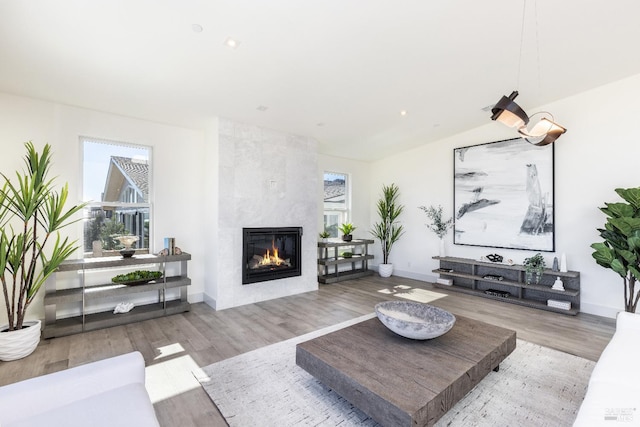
pixel 476 277
pixel 90 296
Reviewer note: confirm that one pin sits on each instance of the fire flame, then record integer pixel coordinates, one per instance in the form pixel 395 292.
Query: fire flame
pixel 269 259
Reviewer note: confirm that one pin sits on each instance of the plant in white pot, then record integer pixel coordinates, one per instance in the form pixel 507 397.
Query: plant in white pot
pixel 388 230
pixel 438 225
pixel 31 249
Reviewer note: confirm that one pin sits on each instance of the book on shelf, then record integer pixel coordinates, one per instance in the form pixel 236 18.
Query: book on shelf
pixel 564 305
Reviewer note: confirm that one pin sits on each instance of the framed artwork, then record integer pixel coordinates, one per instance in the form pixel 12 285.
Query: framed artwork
pixel 503 195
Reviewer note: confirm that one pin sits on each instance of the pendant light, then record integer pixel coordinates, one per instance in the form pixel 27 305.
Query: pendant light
pixel 542 130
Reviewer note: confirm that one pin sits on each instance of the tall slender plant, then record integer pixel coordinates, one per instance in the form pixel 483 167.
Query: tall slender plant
pixel 388 230
pixel 620 250
pixel 36 209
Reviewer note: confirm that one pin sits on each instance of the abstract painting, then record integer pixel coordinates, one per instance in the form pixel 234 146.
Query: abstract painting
pixel 503 195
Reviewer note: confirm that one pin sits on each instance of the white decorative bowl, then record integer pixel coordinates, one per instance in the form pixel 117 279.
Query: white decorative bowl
pixel 414 320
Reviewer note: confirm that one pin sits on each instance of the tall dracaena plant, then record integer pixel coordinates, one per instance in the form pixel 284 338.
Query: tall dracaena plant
pixel 388 230
pixel 36 210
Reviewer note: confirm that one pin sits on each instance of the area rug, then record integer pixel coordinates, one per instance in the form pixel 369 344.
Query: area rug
pixel 536 386
pixel 413 294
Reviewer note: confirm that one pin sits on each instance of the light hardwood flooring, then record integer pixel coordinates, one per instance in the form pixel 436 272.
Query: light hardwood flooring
pixel 174 346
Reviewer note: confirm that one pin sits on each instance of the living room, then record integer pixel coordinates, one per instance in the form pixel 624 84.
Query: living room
pixel 198 198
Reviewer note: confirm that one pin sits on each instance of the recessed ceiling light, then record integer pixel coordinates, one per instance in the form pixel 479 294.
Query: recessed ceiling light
pixel 403 112
pixel 196 28
pixel 262 108
pixel 231 43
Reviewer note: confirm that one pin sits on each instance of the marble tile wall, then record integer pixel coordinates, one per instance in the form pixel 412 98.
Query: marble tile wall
pixel 266 179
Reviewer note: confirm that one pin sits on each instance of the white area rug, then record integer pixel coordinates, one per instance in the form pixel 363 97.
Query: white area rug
pixel 536 386
pixel 413 294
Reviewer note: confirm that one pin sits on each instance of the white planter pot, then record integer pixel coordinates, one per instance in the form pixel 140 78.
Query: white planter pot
pixel 385 270
pixel 15 345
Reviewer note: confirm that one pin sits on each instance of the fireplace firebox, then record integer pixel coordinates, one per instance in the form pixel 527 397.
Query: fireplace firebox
pixel 270 253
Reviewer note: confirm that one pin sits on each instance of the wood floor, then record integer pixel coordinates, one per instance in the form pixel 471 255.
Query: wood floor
pixel 176 345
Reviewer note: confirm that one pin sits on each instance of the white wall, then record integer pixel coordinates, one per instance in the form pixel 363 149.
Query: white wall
pixel 598 153
pixel 177 168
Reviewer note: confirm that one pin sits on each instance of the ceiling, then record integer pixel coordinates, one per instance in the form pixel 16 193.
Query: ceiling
pixel 339 71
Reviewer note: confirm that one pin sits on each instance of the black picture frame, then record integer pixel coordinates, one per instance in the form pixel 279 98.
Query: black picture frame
pixel 504 195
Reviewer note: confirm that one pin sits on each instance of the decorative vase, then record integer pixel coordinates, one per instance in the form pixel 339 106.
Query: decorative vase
pixel 443 251
pixel 347 237
pixel 563 263
pixel 533 277
pixel 20 343
pixel 385 270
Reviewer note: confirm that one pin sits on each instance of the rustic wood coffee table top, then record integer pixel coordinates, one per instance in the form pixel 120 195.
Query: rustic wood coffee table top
pixel 399 381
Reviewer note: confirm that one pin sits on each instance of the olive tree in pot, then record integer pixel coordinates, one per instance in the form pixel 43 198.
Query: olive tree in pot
pixel 620 250
pixel 31 249
pixel 388 230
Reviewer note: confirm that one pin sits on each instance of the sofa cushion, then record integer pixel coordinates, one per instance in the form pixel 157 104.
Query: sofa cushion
pixel 125 406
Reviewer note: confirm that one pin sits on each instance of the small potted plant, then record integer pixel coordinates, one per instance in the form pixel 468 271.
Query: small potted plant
pixel 533 267
pixel 347 228
pixel 324 236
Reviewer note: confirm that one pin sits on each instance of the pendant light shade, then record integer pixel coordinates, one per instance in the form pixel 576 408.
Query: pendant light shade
pixel 544 132
pixel 507 112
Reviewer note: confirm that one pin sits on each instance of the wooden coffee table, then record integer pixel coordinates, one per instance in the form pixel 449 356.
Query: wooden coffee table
pixel 403 382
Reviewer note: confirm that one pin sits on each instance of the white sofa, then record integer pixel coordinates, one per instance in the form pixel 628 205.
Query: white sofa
pixel 109 392
pixel 613 396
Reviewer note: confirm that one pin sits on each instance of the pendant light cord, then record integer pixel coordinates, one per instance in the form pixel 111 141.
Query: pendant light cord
pixel 524 9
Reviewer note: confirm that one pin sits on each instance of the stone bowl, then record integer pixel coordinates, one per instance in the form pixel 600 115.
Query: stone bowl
pixel 414 320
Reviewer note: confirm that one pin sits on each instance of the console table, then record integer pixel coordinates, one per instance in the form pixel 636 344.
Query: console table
pixel 89 297
pixel 477 277
pixel 330 254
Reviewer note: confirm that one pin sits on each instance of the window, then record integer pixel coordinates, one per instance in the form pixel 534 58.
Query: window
pixel 116 183
pixel 336 201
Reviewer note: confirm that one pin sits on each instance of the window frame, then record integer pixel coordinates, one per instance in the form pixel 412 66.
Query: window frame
pixel 344 213
pixel 91 204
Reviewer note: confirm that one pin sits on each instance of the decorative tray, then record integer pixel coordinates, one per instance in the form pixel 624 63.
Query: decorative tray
pixel 139 277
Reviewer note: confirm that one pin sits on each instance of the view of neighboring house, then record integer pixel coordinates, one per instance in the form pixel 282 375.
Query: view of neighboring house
pixel 127 186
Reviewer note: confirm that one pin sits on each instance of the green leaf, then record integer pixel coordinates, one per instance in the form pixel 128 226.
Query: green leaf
pixel 619 267
pixel 627 226
pixel 629 256
pixel 618 210
pixel 631 195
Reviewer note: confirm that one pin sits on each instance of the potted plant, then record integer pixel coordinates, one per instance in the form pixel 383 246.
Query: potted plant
pixel 324 236
pixel 620 250
pixel 347 229
pixel 533 267
pixel 31 249
pixel 388 230
pixel 438 225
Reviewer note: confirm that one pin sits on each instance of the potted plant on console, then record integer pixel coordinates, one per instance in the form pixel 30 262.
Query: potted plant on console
pixel 533 267
pixel 347 229
pixel 324 236
pixel 620 250
pixel 31 213
pixel 388 231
